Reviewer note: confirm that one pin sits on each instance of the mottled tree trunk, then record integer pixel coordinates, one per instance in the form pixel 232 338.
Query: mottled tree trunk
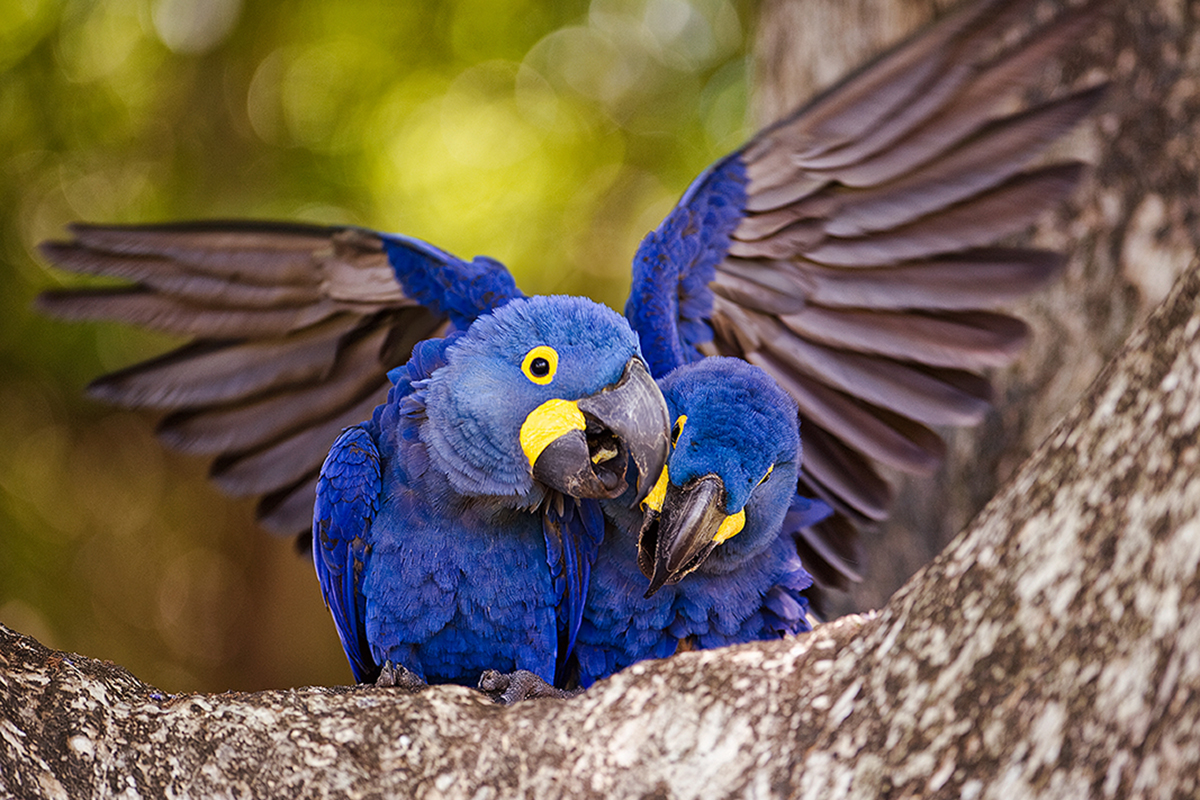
pixel 1052 651
pixel 1131 229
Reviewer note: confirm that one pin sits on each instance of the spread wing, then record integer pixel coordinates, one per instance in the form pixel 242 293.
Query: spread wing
pixel 292 330
pixel 348 495
pixel 850 251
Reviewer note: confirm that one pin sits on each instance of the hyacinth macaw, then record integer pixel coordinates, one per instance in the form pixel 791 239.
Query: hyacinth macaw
pixel 847 250
pixel 435 535
pixel 723 565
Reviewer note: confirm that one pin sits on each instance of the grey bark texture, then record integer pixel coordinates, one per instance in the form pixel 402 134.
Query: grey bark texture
pixel 1131 229
pixel 1052 651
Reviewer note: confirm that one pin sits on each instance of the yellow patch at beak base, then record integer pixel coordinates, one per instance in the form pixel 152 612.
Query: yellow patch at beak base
pixel 731 527
pixel 548 422
pixel 654 500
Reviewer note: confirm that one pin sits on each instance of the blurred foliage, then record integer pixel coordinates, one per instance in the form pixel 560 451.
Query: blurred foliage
pixel 549 134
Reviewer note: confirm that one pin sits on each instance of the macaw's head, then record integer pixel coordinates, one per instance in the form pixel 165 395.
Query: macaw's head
pixel 731 473
pixel 545 392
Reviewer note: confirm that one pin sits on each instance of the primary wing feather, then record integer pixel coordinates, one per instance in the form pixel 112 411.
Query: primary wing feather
pixel 293 330
pixel 859 265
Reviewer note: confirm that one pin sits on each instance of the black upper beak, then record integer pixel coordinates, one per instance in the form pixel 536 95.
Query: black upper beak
pixel 623 421
pixel 677 540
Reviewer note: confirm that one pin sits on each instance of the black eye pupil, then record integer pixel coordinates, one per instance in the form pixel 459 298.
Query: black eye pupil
pixel 540 367
pixel 675 433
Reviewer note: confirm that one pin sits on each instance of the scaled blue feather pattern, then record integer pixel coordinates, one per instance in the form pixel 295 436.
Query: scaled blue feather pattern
pixel 446 284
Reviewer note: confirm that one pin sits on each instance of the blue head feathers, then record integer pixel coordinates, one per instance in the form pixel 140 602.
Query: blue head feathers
pixel 731 474
pixel 730 418
pixel 503 410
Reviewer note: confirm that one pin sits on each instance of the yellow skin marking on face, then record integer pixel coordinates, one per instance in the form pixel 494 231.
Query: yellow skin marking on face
pixel 677 428
pixel 734 523
pixel 770 469
pixel 731 527
pixel 548 422
pixel 654 500
pixel 551 357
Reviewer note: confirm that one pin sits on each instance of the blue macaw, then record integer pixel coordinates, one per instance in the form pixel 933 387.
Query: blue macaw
pixel 847 251
pixel 434 529
pixel 717 516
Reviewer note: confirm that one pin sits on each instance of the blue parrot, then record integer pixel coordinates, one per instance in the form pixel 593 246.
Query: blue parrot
pixel 430 534
pixel 848 251
pixel 717 516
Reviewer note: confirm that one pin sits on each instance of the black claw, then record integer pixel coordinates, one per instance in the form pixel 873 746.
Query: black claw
pixel 400 677
pixel 512 687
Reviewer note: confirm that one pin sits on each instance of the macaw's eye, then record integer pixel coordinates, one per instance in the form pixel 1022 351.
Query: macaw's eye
pixel 678 429
pixel 770 469
pixel 540 364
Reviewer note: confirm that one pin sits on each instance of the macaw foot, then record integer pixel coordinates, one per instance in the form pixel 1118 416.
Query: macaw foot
pixel 511 687
pixel 400 677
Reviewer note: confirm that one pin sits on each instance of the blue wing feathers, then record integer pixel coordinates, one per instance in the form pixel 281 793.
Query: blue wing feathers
pixel 447 285
pixel 348 495
pixel 805 512
pixel 670 309
pixel 782 604
pixel 574 531
pixel 670 302
pixel 451 583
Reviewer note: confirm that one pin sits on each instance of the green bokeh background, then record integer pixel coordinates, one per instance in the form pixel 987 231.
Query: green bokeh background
pixel 551 135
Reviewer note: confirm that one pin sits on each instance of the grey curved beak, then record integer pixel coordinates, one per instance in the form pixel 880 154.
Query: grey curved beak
pixel 676 540
pixel 627 420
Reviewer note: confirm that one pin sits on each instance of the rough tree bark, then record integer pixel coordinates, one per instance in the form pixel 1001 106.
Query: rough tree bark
pixel 1052 651
pixel 1131 230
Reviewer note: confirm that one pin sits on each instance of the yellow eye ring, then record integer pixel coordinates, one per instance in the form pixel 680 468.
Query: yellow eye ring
pixel 540 364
